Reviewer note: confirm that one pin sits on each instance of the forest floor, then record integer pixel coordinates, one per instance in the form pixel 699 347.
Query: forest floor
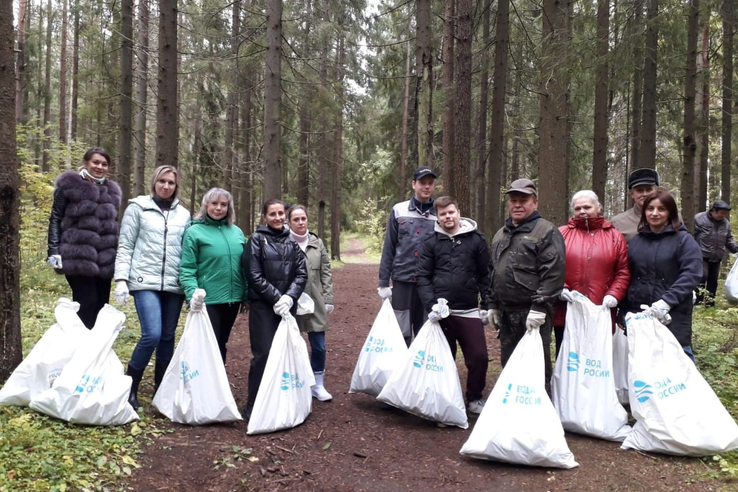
pixel 351 444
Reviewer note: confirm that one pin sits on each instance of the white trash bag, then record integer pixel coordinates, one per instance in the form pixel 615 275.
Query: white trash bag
pixel 195 388
pixel 38 371
pixel 383 348
pixel 305 305
pixel 676 411
pixel 425 381
pixel 284 399
pixel 731 284
pixel 583 385
pixel 92 388
pixel 519 423
pixel 620 365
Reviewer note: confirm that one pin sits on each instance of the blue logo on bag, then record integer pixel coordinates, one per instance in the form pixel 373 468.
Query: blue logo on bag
pixel 573 363
pixel 642 391
pixel 88 384
pixel 185 374
pixel 376 345
pixel 507 393
pixel 368 345
pixel 419 358
pixel 290 381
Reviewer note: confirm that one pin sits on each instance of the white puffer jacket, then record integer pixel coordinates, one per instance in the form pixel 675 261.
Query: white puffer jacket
pixel 150 245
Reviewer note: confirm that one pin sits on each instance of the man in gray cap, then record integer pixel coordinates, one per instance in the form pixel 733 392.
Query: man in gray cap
pixel 410 223
pixel 527 272
pixel 712 232
pixel 641 183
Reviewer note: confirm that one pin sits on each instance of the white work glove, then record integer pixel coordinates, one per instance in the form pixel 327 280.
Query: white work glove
pixel 567 295
pixel 439 310
pixel 535 320
pixel 659 310
pixel 384 292
pixel 494 317
pixel 198 300
pixel 484 316
pixel 283 305
pixel 609 302
pixel 328 308
pixel 121 292
pixel 54 261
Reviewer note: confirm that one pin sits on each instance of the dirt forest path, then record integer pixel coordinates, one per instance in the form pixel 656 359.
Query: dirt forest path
pixel 350 444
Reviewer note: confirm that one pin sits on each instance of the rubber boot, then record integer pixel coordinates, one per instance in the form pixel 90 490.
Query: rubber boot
pixel 318 390
pixel 159 370
pixel 136 376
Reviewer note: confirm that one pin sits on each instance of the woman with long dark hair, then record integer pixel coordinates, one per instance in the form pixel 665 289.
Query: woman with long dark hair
pixel 83 232
pixel 147 266
pixel 665 267
pixel 274 267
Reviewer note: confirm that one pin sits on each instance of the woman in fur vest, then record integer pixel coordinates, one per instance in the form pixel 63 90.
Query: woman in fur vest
pixel 147 266
pixel 83 232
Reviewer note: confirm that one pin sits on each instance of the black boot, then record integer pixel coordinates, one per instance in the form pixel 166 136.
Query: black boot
pixel 159 370
pixel 136 376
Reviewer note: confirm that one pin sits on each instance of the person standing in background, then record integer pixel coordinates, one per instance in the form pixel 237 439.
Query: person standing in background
pixel 713 235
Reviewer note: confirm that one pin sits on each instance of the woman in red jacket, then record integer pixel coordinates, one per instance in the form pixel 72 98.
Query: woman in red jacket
pixel 596 259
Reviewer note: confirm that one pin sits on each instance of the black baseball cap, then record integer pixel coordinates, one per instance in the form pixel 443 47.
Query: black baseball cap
pixel 720 205
pixel 422 172
pixel 644 176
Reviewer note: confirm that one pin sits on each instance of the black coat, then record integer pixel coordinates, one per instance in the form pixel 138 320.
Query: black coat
pixel 454 268
pixel 274 265
pixel 667 266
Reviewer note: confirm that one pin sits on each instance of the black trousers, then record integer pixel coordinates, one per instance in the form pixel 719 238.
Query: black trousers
pixel 512 329
pixel 222 317
pixel 468 333
pixel 91 293
pixel 263 325
pixel 710 274
pixel 409 310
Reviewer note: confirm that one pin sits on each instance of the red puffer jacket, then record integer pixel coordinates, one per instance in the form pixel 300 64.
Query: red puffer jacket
pixel 596 262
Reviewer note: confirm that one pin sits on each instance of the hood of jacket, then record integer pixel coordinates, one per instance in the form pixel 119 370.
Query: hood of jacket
pixel 465 227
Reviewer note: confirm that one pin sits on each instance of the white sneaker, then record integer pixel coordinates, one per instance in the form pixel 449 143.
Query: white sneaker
pixel 475 406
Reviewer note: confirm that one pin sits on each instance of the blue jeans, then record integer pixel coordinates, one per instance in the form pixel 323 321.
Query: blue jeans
pixel 688 351
pixel 317 350
pixel 158 313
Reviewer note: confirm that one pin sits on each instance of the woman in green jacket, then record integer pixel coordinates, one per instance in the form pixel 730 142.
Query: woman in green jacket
pixel 320 290
pixel 211 260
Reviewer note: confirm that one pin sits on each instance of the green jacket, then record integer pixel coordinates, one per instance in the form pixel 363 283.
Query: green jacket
pixel 319 286
pixel 211 260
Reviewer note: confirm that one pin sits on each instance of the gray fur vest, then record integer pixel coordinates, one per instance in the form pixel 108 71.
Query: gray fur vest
pixel 89 226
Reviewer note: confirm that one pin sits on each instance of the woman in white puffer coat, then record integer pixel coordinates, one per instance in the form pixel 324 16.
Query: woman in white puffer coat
pixel 147 266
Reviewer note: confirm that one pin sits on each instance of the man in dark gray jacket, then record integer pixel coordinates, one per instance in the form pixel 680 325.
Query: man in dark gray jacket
pixel 410 223
pixel 713 234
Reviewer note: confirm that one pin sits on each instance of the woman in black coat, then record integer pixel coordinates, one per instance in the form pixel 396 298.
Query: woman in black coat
pixel 277 275
pixel 83 232
pixel 665 267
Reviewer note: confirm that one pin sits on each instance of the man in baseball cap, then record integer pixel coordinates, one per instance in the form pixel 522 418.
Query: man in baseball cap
pixel 641 183
pixel 713 234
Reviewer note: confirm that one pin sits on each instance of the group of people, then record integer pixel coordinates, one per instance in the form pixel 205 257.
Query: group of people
pixel 644 259
pixel 162 257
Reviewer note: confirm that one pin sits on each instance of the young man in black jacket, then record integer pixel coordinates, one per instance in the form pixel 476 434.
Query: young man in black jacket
pixel 453 266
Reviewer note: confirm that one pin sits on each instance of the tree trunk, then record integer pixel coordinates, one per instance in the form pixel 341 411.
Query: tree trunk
pixel 424 87
pixel 272 101
pixel 167 111
pixel 75 72
pixel 303 165
pixel 703 137
pixel 232 105
pixel 245 211
pixel 47 92
pixel 480 212
pixel 690 143
pixel 11 352
pixel 447 119
pixel 517 131
pixel 20 79
pixel 402 186
pixel 496 126
pixel 553 165
pixel 324 160
pixel 599 159
pixel 727 106
pixel 462 121
pixel 63 75
pixel 142 85
pixel 126 101
pixel 338 157
pixel 647 133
